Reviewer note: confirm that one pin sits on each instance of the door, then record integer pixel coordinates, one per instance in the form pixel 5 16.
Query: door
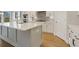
pixel 60 24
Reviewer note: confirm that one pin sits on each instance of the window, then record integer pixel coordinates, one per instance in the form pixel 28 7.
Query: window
pixel 7 16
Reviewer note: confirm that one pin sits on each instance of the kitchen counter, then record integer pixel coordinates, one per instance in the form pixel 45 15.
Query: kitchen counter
pixel 23 27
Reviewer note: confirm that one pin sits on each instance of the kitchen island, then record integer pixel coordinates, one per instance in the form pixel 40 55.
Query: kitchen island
pixel 22 35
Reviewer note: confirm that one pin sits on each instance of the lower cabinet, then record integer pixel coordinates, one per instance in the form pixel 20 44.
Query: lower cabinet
pixel 44 27
pixel 0 30
pixel 48 27
pixel 19 38
pixel 29 38
pixel 12 34
pixel 23 38
pixel 73 38
pixel 36 36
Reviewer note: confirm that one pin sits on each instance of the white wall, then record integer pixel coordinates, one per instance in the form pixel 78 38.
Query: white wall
pixel 60 24
pixel 73 17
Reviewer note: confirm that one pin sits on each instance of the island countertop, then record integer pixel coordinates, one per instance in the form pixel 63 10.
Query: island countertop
pixel 22 27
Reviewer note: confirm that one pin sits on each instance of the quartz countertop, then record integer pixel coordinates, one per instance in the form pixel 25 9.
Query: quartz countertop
pixel 23 27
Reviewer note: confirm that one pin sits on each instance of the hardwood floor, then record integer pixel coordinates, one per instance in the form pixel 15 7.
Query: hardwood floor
pixel 49 40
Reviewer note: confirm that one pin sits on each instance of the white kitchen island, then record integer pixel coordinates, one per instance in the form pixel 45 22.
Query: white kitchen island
pixel 22 35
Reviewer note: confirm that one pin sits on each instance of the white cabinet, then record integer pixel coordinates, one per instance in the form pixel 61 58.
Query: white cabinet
pixel 29 38
pixel 76 42
pixel 12 34
pixel 44 27
pixel 23 38
pixel 36 35
pixel 73 35
pixel 71 38
pixel 4 31
pixel 48 26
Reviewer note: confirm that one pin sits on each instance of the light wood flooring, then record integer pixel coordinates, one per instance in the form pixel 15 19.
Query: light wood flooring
pixel 48 40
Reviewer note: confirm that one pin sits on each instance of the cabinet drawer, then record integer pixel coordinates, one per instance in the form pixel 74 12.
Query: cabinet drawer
pixel 12 34
pixel 77 43
pixel 44 27
pixel 4 31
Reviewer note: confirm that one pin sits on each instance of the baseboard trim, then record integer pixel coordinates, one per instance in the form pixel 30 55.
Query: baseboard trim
pixel 49 33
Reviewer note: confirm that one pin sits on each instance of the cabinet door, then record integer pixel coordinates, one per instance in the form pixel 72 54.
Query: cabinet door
pixel 36 36
pixel 23 38
pixel 4 31
pixel 12 34
pixel 44 27
pixel 50 26
pixel 0 29
pixel 76 42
